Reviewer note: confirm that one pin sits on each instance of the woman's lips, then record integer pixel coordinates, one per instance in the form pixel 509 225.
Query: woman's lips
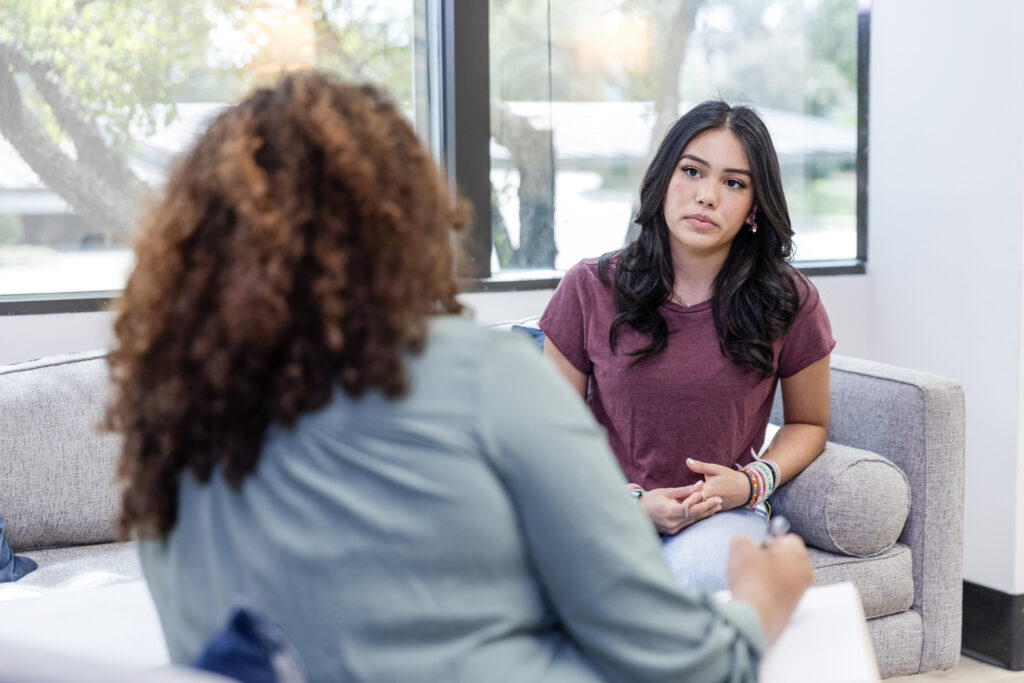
pixel 701 222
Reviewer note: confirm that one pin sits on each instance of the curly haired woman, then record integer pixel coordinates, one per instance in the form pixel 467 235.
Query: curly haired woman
pixel 307 424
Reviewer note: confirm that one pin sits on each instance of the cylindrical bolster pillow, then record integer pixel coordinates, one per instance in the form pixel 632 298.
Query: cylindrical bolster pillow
pixel 847 501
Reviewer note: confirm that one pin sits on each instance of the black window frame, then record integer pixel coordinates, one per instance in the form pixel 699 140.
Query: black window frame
pixel 459 85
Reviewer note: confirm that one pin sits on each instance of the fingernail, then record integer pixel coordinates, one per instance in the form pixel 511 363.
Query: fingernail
pixel 700 484
pixel 689 460
pixel 718 501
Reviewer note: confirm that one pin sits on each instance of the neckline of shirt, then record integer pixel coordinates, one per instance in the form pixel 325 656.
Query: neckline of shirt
pixel 695 308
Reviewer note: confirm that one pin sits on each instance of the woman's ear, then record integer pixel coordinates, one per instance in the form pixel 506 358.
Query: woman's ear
pixel 753 214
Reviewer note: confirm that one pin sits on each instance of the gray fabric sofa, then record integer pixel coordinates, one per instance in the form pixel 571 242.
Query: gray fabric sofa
pixel 896 452
pixel 912 592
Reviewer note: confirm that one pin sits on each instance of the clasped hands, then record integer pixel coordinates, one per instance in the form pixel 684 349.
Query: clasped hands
pixel 673 509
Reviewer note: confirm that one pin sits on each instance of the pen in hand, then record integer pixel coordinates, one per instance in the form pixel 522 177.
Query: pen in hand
pixel 778 526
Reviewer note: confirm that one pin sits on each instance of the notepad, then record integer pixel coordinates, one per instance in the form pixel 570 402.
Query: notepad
pixel 826 640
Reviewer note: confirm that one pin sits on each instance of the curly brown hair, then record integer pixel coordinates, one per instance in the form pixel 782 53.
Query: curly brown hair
pixel 302 244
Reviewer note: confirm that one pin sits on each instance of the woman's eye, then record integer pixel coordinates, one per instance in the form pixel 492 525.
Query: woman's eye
pixel 736 184
pixel 691 171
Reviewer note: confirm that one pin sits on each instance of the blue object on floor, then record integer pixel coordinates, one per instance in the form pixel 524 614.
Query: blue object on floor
pixel 12 567
pixel 252 650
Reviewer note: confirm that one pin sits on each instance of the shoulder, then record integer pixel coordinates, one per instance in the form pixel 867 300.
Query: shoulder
pixel 458 354
pixel 462 339
pixel 467 343
pixel 592 274
pixel 586 270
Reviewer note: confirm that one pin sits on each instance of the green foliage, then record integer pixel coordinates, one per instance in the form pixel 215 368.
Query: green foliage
pixel 11 230
pixel 830 196
pixel 366 42
pixel 786 54
pixel 127 62
pixel 114 57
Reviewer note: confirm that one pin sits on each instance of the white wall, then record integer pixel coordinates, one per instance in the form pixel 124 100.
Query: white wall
pixel 943 291
pixel 946 217
pixel 504 306
pixel 23 337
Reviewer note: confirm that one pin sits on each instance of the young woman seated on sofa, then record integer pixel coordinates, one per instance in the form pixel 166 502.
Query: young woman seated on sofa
pixel 679 340
pixel 310 426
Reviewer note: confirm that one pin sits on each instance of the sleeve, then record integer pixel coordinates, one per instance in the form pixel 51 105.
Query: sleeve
pixel 565 319
pixel 595 553
pixel 810 337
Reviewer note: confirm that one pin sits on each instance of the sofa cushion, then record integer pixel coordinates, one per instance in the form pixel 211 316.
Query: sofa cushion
pixel 56 469
pixel 117 625
pixel 885 581
pixel 81 567
pixel 847 501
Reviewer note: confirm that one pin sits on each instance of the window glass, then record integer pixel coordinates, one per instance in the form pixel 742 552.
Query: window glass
pixel 583 90
pixel 98 97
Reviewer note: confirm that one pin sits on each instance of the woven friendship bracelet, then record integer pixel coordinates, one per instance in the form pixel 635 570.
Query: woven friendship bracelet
pixel 763 476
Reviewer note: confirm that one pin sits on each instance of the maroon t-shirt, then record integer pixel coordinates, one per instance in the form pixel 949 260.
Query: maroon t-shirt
pixel 690 400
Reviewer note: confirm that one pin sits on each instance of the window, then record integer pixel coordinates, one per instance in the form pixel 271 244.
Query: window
pixel 583 90
pixel 97 97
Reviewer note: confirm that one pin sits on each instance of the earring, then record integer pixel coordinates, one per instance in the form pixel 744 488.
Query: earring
pixel 753 227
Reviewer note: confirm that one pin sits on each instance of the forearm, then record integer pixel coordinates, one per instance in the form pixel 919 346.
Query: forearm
pixel 795 446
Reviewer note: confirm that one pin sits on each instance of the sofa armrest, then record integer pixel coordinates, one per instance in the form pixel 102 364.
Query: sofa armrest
pixel 916 420
pixel 847 501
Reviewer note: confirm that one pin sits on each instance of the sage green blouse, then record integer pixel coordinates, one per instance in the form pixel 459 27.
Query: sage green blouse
pixel 475 530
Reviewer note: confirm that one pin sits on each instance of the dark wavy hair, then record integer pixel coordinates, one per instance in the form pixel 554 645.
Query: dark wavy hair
pixel 301 245
pixel 754 297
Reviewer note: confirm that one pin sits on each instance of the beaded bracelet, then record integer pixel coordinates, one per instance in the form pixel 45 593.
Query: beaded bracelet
pixel 636 491
pixel 764 476
pixel 762 479
pixel 767 475
pixel 755 488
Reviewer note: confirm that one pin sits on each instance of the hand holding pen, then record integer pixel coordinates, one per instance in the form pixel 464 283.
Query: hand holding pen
pixel 778 526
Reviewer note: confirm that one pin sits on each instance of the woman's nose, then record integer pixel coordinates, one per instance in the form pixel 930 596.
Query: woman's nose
pixel 706 196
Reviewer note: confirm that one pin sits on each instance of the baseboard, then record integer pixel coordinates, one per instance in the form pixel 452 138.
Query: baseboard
pixel 993 626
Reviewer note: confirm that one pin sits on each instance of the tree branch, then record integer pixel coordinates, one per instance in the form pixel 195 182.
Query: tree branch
pixel 532 153
pixel 103 207
pixel 92 149
pixel 672 42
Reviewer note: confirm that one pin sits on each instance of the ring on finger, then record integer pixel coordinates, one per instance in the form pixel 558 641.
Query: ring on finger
pixel 703 496
pixel 686 513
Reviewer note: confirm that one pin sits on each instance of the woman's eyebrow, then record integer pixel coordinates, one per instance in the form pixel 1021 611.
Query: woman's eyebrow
pixel 727 170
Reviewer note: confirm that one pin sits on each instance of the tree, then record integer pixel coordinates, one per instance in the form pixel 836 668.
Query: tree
pixel 76 79
pixel 80 80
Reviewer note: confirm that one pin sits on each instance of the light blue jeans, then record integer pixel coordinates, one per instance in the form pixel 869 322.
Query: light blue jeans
pixel 699 554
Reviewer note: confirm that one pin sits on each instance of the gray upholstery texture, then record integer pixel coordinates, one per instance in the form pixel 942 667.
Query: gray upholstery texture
pixel 916 420
pixel 56 469
pixel 847 501
pixel 898 641
pixel 885 581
